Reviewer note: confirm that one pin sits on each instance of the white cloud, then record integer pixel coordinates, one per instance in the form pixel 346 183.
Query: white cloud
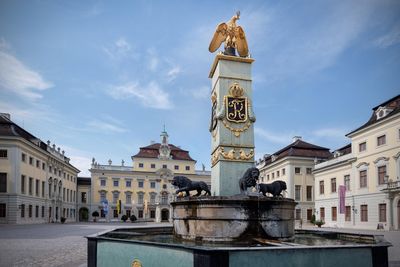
pixel 120 49
pixel 173 73
pixel 106 125
pixel 389 39
pixel 272 137
pixel 152 59
pixel 19 79
pixel 150 95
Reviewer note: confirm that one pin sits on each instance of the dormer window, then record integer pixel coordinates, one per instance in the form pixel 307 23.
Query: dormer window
pixel 381 112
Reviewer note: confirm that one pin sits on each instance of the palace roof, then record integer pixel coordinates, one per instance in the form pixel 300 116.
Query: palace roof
pixel 392 106
pixel 299 148
pixel 152 151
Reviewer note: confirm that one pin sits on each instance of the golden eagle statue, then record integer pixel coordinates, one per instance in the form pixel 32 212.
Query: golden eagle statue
pixel 233 36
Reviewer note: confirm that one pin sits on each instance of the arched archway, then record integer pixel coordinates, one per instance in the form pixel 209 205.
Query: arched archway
pixel 83 214
pixel 165 215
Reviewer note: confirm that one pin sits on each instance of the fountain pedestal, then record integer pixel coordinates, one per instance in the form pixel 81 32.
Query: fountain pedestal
pixel 232 134
pixel 237 218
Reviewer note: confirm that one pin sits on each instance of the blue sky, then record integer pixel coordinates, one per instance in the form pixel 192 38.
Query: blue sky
pixel 101 78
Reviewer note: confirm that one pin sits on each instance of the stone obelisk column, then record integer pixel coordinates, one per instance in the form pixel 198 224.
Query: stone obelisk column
pixel 232 133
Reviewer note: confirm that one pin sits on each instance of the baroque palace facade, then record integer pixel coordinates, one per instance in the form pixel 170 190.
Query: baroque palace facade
pixel 143 189
pixel 359 187
pixel 37 182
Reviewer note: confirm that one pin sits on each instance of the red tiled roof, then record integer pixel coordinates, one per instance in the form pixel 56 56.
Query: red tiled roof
pixel 152 151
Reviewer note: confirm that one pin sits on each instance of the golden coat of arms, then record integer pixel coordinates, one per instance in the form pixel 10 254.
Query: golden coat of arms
pixel 236 104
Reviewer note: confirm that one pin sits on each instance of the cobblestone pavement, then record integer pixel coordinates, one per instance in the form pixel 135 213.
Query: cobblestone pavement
pixel 48 245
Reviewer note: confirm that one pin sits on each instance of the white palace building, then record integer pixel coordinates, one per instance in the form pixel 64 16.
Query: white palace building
pixel 365 173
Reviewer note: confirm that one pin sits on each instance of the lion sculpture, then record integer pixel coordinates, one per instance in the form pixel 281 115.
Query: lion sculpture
pixel 249 179
pixel 275 188
pixel 186 185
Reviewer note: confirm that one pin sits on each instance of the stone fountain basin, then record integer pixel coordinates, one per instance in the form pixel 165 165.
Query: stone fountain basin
pixel 225 219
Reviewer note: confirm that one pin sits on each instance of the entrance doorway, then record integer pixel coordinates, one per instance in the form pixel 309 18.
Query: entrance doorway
pixel 83 214
pixel 164 215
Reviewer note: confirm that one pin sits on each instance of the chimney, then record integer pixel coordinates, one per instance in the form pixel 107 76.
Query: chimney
pixel 6 115
pixel 296 138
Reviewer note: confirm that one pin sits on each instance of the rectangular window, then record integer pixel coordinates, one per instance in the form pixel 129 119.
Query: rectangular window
pixel 347 182
pixel 381 174
pixel 309 171
pixel 309 193
pixel 152 214
pixel 140 214
pixel 83 197
pixel 67 195
pixel 102 196
pixel 273 175
pixel 128 199
pixel 347 216
pixel 364 213
pixel 334 214
pixel 22 184
pixel 37 182
pixel 3 182
pixel 116 183
pixel 50 169
pixel 187 168
pixel 43 166
pixel 115 213
pixel 3 153
pixel 37 164
pixel 363 178
pixel 102 213
pixel 381 140
pixel 30 160
pixel 30 188
pixel 153 166
pixel 115 197
pixel 102 182
pixel 128 183
pixel 42 211
pixel 140 199
pixel 382 212
pixel 2 210
pixel 63 193
pixel 37 211
pixel 22 210
pixel 283 171
pixel 128 213
pixel 321 187
pixel 333 185
pixel 164 166
pixel 297 192
pixel 322 213
pixel 176 167
pixel 277 174
pixel 297 170
pixel 43 185
pixel 140 184
pixel 152 198
pixel 152 184
pixel 23 157
pixel 30 211
pixel 140 165
pixel 267 177
pixel 362 147
pixel 298 214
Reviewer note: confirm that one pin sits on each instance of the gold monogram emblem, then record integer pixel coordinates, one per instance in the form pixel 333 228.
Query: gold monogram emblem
pixel 236 104
pixel 136 263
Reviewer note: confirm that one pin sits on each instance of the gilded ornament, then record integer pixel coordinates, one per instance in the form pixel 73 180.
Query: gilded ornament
pixel 232 35
pixel 136 263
